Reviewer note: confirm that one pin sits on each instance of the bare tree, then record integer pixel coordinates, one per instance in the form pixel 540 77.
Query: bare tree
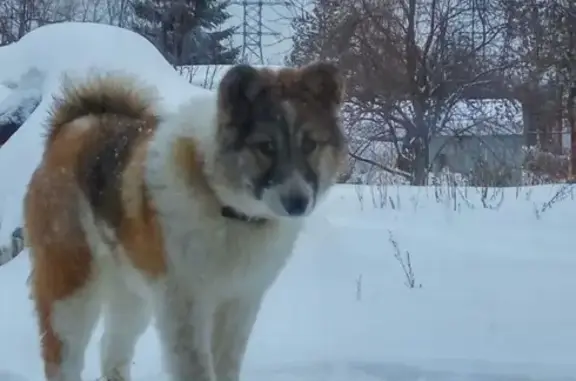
pixel 538 85
pixel 410 66
pixel 18 17
pixel 119 12
pixel 542 35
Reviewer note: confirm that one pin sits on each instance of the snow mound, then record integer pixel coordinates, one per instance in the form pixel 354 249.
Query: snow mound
pixel 17 105
pixel 494 303
pixel 74 49
pixel 81 47
pixel 4 92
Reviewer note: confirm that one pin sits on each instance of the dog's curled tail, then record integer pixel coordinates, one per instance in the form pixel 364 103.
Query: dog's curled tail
pixel 109 93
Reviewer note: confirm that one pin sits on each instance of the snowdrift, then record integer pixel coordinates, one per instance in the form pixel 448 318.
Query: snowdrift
pixel 491 299
pixel 18 102
pixel 75 49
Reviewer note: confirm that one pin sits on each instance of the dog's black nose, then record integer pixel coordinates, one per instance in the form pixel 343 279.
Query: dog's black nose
pixel 295 205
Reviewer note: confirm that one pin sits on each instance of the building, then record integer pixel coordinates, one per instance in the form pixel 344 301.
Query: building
pixel 483 141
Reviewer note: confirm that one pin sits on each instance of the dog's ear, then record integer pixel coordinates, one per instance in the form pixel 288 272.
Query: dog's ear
pixel 241 85
pixel 324 82
pixel 239 90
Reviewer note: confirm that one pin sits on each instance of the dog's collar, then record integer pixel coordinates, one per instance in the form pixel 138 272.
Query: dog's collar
pixel 229 212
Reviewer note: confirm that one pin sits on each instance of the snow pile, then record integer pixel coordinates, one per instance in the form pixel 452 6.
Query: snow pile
pixel 491 296
pixel 19 103
pixel 13 248
pixel 4 92
pixel 75 49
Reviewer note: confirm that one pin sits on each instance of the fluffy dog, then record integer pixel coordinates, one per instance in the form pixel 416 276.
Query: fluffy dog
pixel 188 217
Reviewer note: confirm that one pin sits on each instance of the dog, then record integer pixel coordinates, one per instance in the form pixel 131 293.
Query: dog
pixel 186 216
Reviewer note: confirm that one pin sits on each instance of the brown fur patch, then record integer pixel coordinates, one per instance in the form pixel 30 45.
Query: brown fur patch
pixel 61 259
pixel 96 150
pixel 314 90
pixel 319 83
pixel 189 160
pixel 139 229
pixel 110 172
pixel 100 167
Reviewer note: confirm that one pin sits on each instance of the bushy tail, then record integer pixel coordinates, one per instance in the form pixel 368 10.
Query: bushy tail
pixel 118 94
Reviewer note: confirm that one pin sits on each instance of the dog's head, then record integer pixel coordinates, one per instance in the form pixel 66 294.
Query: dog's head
pixel 279 140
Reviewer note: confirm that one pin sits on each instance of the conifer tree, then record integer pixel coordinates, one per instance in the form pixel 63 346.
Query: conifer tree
pixel 187 32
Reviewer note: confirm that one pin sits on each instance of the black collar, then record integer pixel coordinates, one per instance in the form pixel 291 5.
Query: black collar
pixel 229 212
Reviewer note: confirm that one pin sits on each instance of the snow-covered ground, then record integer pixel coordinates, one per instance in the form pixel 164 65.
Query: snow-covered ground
pixel 494 294
pixel 494 297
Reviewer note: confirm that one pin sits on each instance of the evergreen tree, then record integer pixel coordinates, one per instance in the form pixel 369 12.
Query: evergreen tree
pixel 186 31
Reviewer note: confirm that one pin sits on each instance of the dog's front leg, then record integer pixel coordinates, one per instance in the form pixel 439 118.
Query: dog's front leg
pixel 233 320
pixel 185 328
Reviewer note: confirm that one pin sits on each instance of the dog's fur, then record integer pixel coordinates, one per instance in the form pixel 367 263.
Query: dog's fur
pixel 190 215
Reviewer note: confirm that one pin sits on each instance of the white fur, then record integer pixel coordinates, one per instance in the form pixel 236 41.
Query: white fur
pixel 212 262
pixel 218 272
pixel 73 320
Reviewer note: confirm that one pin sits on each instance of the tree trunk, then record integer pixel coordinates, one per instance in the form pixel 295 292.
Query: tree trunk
pixel 572 123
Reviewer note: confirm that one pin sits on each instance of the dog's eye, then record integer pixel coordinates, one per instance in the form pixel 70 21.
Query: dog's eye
pixel 266 147
pixel 308 145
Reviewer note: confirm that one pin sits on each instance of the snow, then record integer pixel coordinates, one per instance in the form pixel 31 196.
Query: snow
pixel 17 105
pixel 494 276
pixel 494 303
pixel 4 92
pixel 74 49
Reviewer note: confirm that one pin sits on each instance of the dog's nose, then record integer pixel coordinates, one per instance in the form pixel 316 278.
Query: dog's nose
pixel 295 205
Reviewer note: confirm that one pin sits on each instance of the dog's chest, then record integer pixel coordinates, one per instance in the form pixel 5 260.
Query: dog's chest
pixel 230 256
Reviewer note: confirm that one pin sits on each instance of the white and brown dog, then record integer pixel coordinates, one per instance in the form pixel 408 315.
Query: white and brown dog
pixel 189 217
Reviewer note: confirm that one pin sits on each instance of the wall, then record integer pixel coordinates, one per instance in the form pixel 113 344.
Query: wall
pixel 497 152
